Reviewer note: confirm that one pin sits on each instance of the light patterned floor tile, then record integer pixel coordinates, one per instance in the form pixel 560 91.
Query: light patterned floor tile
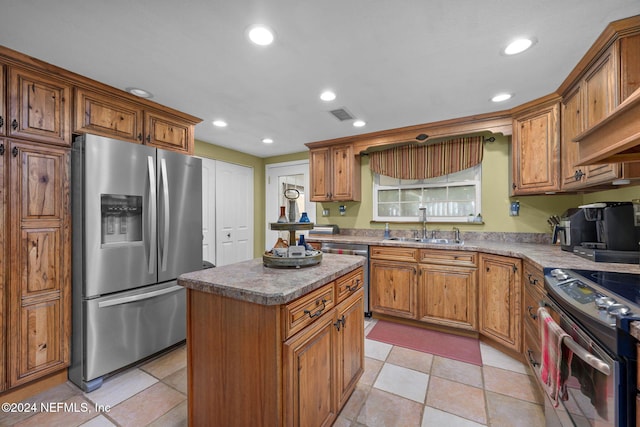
pixel 146 406
pixel 376 350
pixel 433 417
pixel 383 409
pixel 177 417
pixel 177 380
pixel 510 383
pixel 99 421
pixel 493 357
pixel 455 370
pixel 404 382
pixel 456 398
pixel 506 411
pixel 412 359
pixel 167 364
pixel 73 412
pixel 121 387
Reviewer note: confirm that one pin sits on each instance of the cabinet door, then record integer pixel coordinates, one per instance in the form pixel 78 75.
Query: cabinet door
pixel 39 284
pixel 40 107
pixel 447 296
pixel 573 176
pixel 349 345
pixel 103 115
pixel 536 151
pixel 4 257
pixel 309 375
pixel 345 185
pixel 3 112
pixel 499 299
pixel 393 288
pixel 320 172
pixel 164 131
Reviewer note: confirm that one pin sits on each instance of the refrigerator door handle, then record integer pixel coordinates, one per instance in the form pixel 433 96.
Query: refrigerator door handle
pixel 151 215
pixel 140 297
pixel 165 214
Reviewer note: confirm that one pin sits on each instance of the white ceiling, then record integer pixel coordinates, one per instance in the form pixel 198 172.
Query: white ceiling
pixel 392 63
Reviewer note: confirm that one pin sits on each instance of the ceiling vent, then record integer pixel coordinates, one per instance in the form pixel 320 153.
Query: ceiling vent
pixel 341 114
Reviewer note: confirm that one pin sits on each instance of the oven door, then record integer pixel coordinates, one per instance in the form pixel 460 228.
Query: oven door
pixel 592 387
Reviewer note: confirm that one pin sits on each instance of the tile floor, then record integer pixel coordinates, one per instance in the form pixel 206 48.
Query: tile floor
pixel 400 387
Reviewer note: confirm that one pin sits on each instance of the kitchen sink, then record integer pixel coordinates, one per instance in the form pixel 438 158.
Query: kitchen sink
pixel 428 241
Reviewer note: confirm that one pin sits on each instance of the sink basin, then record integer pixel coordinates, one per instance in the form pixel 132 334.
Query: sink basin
pixel 429 241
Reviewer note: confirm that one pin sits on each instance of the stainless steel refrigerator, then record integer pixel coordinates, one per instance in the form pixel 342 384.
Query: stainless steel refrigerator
pixel 137 225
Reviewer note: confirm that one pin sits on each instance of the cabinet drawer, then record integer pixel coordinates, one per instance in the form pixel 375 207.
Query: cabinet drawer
pixel 532 352
pixel 349 284
pixel 393 253
pixel 531 301
pixel 533 277
pixel 305 310
pixel 445 257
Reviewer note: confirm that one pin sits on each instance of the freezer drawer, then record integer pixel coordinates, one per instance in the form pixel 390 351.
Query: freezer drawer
pixel 126 327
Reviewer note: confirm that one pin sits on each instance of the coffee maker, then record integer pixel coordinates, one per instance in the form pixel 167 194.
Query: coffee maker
pixel 617 236
pixel 573 229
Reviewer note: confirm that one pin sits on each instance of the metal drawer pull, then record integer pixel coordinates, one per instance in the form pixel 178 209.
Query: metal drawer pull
pixel 354 288
pixel 531 314
pixel 531 359
pixel 317 313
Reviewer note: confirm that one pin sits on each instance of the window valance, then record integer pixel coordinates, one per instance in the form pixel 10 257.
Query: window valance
pixel 428 161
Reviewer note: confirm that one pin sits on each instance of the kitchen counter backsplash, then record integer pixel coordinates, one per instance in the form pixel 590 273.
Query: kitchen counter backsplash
pixel 476 236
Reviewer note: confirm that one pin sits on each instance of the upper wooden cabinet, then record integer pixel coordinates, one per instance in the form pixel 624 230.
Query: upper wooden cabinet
pixel 39 107
pixel 606 76
pixel 3 112
pixel 107 116
pixel 115 117
pixel 536 149
pixel 335 174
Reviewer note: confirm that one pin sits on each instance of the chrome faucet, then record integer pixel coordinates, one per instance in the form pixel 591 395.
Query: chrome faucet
pixel 424 222
pixel 456 232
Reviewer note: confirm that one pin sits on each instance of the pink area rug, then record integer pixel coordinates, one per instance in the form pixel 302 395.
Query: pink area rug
pixel 451 346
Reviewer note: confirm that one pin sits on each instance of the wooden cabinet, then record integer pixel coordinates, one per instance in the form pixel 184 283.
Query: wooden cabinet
pixel 4 258
pixel 335 174
pixel 447 288
pixel 533 291
pixel 107 116
pixel 110 116
pixel 3 111
pixel 264 362
pixel 39 274
pixel 392 283
pixel 499 299
pixel 322 365
pixel 39 107
pixel 536 149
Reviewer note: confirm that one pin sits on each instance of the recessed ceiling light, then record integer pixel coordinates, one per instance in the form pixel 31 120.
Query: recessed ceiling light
pixel 359 123
pixel 501 97
pixel 219 123
pixel 327 95
pixel 140 92
pixel 261 35
pixel 518 46
pixel 267 140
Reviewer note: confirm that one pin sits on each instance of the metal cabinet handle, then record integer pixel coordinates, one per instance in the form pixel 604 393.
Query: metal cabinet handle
pixel 317 313
pixel 531 314
pixel 1 121
pixel 1 149
pixel 354 288
pixel 531 359
pixel 14 124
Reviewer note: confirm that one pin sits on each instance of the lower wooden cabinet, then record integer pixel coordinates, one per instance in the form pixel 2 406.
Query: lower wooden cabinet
pixel 447 296
pixel 393 287
pixel 322 365
pixel 251 363
pixel 499 299
pixel 38 286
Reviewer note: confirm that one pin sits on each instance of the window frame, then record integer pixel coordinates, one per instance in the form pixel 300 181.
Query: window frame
pixel 438 182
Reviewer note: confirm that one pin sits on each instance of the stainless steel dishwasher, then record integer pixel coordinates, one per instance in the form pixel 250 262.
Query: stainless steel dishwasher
pixel 352 249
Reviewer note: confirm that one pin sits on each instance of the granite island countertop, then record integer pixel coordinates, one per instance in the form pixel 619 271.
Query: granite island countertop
pixel 253 282
pixel 540 254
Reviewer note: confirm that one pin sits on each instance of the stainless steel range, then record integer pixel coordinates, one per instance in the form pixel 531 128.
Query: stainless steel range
pixel 595 308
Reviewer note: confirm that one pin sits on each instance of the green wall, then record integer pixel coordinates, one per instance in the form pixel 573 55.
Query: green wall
pixel 534 210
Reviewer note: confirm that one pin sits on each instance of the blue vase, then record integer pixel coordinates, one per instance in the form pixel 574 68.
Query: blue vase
pixel 304 217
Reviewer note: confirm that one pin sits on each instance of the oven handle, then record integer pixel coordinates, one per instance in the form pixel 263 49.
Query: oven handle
pixel 580 351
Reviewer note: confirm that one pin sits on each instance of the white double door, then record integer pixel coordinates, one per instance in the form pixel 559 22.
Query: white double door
pixel 227 212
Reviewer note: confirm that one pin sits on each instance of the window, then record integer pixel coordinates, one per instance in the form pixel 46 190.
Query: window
pixel 448 198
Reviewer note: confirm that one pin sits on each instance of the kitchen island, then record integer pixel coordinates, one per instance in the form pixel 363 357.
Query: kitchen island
pixel 274 347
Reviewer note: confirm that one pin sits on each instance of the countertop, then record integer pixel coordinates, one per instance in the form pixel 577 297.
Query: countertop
pixel 253 282
pixel 541 255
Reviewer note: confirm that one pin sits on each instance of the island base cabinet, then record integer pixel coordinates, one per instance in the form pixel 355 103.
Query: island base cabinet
pixel 322 365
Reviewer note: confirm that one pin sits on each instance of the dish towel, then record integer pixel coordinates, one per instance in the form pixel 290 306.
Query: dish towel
pixel 556 357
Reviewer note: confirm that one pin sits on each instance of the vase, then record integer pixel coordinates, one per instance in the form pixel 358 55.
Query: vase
pixel 304 217
pixel 282 218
